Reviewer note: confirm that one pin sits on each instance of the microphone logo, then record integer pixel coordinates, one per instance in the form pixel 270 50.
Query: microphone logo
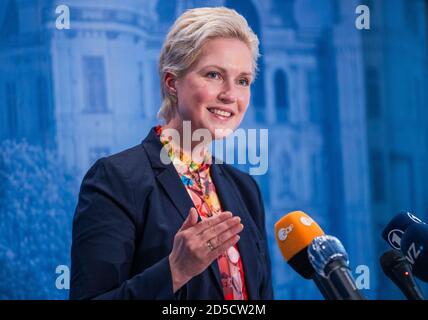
pixel 414 218
pixel 394 238
pixel 412 254
pixel 306 221
pixel 283 232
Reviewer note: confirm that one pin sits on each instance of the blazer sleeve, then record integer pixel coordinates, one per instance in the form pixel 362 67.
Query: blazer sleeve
pixel 103 242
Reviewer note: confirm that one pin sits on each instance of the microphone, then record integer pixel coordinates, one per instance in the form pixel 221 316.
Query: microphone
pixel 329 259
pixel 395 229
pixel 414 245
pixel 394 264
pixel 396 267
pixel 294 233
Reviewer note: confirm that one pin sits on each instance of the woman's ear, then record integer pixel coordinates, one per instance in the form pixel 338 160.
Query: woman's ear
pixel 169 80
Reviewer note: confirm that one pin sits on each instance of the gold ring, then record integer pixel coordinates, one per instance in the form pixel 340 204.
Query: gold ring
pixel 209 245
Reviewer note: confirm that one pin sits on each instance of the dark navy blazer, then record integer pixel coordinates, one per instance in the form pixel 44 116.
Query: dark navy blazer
pixel 130 207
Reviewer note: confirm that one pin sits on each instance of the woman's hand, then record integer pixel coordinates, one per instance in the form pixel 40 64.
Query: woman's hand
pixel 197 245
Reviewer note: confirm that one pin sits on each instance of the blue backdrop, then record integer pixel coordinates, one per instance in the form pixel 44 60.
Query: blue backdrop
pixel 346 111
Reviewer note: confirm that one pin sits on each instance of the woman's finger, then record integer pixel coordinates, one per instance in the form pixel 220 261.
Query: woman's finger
pixel 224 246
pixel 221 238
pixel 212 221
pixel 219 228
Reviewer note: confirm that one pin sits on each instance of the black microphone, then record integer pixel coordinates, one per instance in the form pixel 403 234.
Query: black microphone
pixel 414 245
pixel 397 268
pixel 330 260
pixel 395 229
pixel 393 234
pixel 326 287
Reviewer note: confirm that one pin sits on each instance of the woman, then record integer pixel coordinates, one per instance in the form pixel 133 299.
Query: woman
pixel 187 228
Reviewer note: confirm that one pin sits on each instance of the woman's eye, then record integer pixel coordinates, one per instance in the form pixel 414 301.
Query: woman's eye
pixel 213 75
pixel 244 82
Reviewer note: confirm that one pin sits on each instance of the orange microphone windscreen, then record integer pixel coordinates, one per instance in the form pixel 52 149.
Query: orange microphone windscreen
pixel 294 232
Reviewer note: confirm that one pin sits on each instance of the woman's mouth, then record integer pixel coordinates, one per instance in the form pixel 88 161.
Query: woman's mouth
pixel 221 114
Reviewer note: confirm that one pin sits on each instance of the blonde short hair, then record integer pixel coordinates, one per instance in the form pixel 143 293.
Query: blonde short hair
pixel 184 42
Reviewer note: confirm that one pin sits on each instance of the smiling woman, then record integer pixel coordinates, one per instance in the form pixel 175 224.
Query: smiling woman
pixel 190 228
pixel 214 93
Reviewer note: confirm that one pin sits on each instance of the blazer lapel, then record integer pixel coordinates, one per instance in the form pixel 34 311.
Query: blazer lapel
pixel 167 176
pixel 230 201
pixel 175 190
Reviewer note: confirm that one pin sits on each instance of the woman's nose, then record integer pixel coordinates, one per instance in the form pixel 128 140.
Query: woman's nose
pixel 228 94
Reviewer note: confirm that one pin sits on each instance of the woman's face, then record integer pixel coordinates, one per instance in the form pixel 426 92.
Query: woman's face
pixel 215 92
